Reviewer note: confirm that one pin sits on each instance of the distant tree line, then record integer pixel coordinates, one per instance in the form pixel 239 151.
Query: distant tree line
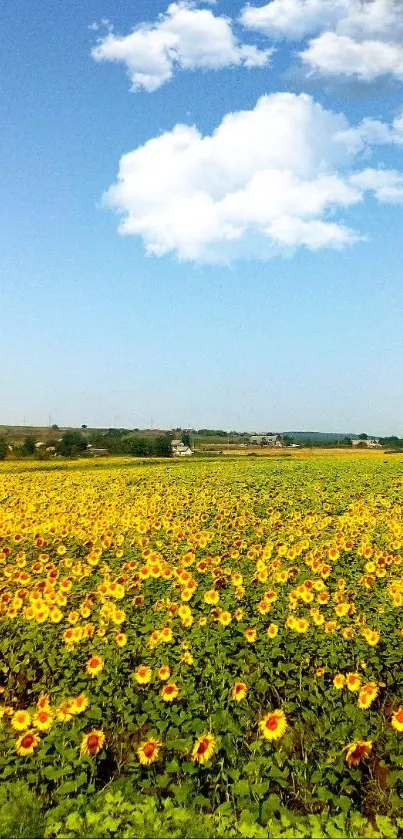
pixel 120 441
pixel 74 443
pixel 208 432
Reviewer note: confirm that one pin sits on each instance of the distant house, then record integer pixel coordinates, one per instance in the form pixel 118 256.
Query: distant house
pixel 180 450
pixel 97 452
pixel 266 440
pixel 370 443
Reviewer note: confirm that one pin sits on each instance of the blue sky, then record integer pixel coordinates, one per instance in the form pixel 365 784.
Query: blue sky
pixel 258 283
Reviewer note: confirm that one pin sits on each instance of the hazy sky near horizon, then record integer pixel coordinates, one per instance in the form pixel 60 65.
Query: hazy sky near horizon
pixel 201 221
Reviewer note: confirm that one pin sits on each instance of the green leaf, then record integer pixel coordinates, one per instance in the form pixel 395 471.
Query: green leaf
pixel 241 787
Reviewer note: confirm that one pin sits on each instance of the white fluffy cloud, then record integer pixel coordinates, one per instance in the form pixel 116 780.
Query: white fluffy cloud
pixel 386 184
pixel 372 132
pixel 185 37
pixel 362 38
pixel 293 19
pixel 266 180
pixel 341 55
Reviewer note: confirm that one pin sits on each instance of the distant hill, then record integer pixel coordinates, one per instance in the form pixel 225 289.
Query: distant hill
pixel 319 436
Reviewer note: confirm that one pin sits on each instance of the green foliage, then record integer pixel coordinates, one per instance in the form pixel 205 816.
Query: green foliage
pixel 112 814
pixel 21 815
pixel 72 444
pixel 3 449
pixel 28 446
pixel 162 445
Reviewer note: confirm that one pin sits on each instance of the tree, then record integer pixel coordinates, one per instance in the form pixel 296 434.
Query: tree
pixel 3 449
pixel 139 447
pixel 186 439
pixel 28 446
pixel 162 446
pixel 72 444
pixel 288 440
pixel 363 436
pixel 394 442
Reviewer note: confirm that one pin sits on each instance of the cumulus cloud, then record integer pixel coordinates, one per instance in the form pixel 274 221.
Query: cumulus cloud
pixel 293 19
pixel 373 132
pixel 267 180
pixel 386 184
pixel 362 38
pixel 341 55
pixel 183 37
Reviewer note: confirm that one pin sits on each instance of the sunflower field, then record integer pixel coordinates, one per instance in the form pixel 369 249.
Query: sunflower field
pixel 222 635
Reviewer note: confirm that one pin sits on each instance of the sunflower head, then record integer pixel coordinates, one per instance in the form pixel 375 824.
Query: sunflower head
pixel 239 691
pixel 357 751
pixel 92 742
pixel 203 748
pixel 26 744
pixel 273 725
pixel 148 751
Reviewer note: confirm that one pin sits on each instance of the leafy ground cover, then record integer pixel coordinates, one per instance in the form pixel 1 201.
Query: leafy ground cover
pixel 225 638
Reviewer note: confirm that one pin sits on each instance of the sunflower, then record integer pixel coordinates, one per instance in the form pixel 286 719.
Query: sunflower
pixel 250 635
pixel 121 639
pixel 357 751
pixel 367 695
pixel 272 630
pixel 339 681
pixel 372 638
pixel 6 711
pixel 211 597
pixel 239 691
pixel 397 719
pixel 143 675
pixel 273 725
pixel 203 748
pixel 26 744
pixel 224 618
pixel 187 657
pixel 21 720
pixel 148 751
pixel 164 673
pixel 78 704
pixel 92 742
pixel 94 665
pixel 353 682
pixel 43 720
pixel 169 692
pixel 64 713
pixel 43 703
